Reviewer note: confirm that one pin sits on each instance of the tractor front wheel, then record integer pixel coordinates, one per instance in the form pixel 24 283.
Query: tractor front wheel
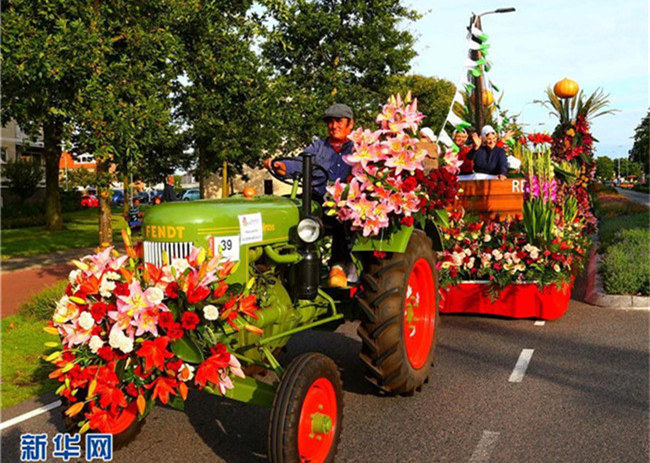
pixel 400 301
pixel 307 412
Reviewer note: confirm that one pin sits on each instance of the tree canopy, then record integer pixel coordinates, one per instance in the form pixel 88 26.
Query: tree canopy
pixel 604 168
pixel 640 151
pixel 335 51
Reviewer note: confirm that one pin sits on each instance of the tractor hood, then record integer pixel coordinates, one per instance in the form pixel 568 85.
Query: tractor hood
pixel 254 221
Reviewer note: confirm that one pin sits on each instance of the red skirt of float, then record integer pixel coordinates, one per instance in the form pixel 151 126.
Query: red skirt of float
pixel 521 300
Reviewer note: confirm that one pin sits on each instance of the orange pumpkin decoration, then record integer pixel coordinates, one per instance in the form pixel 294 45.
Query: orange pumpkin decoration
pixel 249 192
pixel 487 97
pixel 565 88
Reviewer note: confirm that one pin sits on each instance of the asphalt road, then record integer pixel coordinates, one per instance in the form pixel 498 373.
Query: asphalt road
pixel 583 398
pixel 635 196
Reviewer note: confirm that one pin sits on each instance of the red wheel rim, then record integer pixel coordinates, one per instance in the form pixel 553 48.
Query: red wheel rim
pixel 419 313
pixel 314 444
pixel 123 420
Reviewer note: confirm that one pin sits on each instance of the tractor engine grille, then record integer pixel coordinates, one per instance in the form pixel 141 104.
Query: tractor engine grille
pixel 153 251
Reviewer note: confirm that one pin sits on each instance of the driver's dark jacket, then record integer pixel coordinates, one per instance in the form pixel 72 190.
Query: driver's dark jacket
pixel 330 160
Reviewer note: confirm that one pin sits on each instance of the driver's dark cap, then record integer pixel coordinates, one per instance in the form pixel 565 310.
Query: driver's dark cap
pixel 338 111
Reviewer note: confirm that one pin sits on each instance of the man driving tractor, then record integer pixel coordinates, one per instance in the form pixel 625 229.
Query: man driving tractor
pixel 328 152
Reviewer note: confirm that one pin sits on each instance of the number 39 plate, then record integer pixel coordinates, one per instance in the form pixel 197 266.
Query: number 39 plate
pixel 227 245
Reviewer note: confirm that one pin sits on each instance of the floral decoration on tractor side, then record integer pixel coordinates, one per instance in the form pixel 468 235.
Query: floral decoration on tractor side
pixel 125 324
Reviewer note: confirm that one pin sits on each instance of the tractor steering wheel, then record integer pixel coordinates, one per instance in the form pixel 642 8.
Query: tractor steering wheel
pixel 318 173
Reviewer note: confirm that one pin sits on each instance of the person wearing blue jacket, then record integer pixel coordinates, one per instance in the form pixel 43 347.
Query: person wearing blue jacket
pixel 487 156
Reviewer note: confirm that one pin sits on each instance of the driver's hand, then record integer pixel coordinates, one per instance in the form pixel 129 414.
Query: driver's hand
pixel 276 166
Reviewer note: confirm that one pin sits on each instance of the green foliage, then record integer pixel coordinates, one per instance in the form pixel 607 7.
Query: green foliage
pixel 23 176
pixel 568 109
pixel 49 50
pixel 225 98
pixel 642 188
pixel 625 267
pixel 434 96
pixel 625 167
pixel 24 372
pixel 336 51
pixel 604 168
pixel 80 178
pixel 41 305
pixel 640 151
pixel 609 227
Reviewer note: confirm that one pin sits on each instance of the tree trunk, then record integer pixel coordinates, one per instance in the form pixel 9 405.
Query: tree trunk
pixel 127 195
pixel 104 193
pixel 201 172
pixel 52 151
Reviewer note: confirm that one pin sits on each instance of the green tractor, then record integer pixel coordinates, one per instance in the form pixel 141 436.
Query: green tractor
pixel 276 242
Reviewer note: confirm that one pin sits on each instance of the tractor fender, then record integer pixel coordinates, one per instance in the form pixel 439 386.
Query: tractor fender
pixel 394 242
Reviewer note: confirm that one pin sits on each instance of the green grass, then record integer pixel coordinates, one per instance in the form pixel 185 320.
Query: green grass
pixel 81 231
pixel 624 266
pixel 24 372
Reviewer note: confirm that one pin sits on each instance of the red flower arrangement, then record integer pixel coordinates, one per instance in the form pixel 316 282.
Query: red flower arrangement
pixel 120 320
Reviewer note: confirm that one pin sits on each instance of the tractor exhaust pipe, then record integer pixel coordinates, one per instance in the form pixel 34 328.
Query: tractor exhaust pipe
pixel 307 271
pixel 306 184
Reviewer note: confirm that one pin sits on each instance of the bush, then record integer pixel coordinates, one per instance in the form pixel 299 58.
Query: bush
pixel 41 306
pixel 625 267
pixel 70 201
pixel 28 214
pixel 642 188
pixel 23 177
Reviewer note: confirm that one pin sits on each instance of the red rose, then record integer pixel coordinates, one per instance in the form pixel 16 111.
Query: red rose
pixel 131 390
pixel 106 353
pixel 409 184
pixel 98 311
pixel 165 319
pixel 379 254
pixel 408 221
pixel 175 331
pixel 171 291
pixel 189 320
pixel 121 289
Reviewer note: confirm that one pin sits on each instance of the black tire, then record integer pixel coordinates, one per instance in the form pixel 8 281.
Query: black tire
pixel 303 372
pixel 384 350
pixel 119 440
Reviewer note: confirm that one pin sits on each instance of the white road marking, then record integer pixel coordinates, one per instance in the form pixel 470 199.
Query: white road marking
pixel 484 448
pixel 28 415
pixel 540 323
pixel 522 364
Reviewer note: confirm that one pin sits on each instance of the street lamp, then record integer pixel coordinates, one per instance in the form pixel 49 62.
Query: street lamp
pixel 475 55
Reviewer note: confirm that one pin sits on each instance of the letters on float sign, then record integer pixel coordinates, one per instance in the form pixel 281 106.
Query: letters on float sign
pixel 518 185
pixel 163 231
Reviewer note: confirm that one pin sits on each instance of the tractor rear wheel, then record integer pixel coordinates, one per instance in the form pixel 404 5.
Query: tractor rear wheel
pixel 400 301
pixel 307 412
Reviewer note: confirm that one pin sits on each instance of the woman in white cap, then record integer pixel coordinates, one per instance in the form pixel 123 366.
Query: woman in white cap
pixel 487 156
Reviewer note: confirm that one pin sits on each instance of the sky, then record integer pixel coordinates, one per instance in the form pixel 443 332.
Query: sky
pixel 597 43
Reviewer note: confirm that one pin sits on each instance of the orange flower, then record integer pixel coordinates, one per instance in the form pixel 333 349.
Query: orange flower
pixel 155 352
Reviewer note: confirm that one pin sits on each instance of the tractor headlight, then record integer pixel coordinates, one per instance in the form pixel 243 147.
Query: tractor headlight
pixel 309 229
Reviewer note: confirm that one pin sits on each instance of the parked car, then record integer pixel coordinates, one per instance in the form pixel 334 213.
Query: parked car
pixel 89 201
pixel 118 198
pixel 191 195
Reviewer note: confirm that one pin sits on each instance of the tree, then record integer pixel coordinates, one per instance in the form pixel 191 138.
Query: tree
pixel 604 168
pixel 434 96
pixel 640 151
pixel 48 52
pixel 124 108
pixel 81 178
pixel 23 177
pixel 225 101
pixel 329 51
